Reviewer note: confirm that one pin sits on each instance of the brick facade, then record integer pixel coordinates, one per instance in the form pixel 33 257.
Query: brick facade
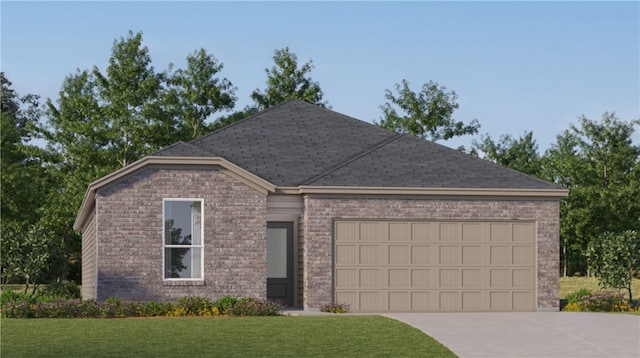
pixel 320 212
pixel 129 224
pixel 122 240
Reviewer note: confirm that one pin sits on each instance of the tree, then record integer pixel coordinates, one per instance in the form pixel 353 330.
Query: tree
pixel 598 163
pixel 29 255
pixel 286 81
pixel 129 95
pixel 104 120
pixel 24 179
pixel 196 93
pixel 519 154
pixel 615 259
pixel 427 114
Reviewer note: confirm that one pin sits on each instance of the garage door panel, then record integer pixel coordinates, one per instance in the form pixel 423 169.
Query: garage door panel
pixel 449 255
pixel 501 232
pixel 369 255
pixel 370 231
pixel 421 232
pixel 400 231
pixel 472 232
pixel 523 233
pixel 472 301
pixel 399 254
pixel 449 278
pixel 471 278
pixel 450 232
pixel 522 255
pixel 369 278
pixel 346 231
pixel 420 255
pixel 346 278
pixel 500 278
pixel 500 255
pixel 500 301
pixel 421 301
pixel 399 301
pixel 399 278
pixel 449 301
pixel 420 278
pixel 522 300
pixel 522 278
pixel 435 266
pixel 369 301
pixel 472 255
pixel 346 254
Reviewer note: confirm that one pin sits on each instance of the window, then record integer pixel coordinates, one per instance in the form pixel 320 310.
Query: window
pixel 183 231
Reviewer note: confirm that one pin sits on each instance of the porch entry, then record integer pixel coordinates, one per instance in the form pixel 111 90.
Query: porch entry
pixel 280 261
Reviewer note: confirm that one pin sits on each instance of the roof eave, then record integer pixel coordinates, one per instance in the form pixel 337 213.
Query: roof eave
pixel 231 169
pixel 424 191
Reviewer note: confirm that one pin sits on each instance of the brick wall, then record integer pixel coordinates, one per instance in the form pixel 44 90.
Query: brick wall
pixel 129 240
pixel 319 214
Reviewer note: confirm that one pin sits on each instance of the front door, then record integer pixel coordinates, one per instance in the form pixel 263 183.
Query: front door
pixel 280 262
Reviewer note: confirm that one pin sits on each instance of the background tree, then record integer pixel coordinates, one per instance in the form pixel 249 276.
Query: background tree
pixel 195 93
pixel 130 94
pixel 520 154
pixel 29 256
pixel 427 114
pixel 598 162
pixel 24 179
pixel 286 81
pixel 103 121
pixel 615 259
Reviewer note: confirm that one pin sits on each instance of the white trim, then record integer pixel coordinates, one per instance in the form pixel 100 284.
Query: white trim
pixel 467 192
pixel 201 246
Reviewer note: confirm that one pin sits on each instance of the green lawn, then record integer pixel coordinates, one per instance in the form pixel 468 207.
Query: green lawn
pixel 334 336
pixel 570 284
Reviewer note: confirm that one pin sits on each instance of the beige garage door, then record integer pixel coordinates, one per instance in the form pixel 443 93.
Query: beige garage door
pixel 435 266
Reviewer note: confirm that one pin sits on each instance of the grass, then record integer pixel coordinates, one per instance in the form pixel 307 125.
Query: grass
pixel 353 336
pixel 570 284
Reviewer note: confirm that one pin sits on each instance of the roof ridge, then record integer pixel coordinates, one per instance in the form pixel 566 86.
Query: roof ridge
pixel 354 158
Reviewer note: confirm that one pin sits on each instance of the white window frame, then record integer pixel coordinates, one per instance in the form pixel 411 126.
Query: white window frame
pixel 201 246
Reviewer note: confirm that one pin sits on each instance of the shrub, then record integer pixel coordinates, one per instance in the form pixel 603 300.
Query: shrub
pixel 115 307
pixel 17 305
pixel 578 295
pixel 249 306
pixel 336 308
pixel 9 296
pixel 225 303
pixel 193 306
pixel 585 300
pixel 64 289
pixel 153 309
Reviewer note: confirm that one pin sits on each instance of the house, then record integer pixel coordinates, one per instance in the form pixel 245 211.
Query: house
pixel 309 206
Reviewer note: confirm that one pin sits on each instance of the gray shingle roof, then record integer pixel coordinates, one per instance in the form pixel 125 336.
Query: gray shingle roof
pixel 297 143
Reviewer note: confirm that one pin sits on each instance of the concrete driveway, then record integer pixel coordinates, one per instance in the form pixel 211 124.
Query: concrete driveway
pixel 531 334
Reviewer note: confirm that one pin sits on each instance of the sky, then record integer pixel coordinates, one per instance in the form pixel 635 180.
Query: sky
pixel 515 66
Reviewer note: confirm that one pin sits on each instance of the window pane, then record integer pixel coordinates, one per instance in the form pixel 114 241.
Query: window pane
pixel 276 253
pixel 196 223
pixel 182 262
pixel 177 222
